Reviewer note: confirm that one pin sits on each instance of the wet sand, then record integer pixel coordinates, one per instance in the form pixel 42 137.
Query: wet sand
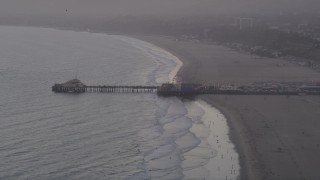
pixel 277 137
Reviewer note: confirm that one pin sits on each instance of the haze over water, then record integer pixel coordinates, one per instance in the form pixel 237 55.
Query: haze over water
pixel 89 136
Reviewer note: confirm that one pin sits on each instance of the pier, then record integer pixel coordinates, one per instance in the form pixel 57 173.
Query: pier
pixel 183 89
pixel 76 86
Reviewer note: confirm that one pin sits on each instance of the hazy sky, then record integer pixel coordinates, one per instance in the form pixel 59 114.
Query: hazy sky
pixel 127 7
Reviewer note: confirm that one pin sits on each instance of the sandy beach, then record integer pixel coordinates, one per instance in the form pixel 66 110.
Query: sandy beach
pixel 277 137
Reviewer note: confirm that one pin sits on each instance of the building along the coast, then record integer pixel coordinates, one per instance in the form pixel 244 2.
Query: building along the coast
pixel 74 85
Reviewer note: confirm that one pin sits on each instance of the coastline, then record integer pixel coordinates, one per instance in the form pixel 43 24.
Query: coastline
pixel 177 75
pixel 215 156
pixel 212 154
pixel 214 143
pixel 271 139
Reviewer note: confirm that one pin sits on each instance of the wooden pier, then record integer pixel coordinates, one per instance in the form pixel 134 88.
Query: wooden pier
pixel 168 89
pixel 106 89
pixel 76 86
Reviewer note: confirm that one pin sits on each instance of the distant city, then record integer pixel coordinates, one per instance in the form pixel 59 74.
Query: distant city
pixel 293 36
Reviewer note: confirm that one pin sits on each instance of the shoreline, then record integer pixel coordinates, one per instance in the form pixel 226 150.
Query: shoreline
pixel 232 135
pixel 176 75
pixel 215 155
pixel 267 131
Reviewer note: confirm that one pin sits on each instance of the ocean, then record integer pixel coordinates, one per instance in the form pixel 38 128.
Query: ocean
pixel 44 135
